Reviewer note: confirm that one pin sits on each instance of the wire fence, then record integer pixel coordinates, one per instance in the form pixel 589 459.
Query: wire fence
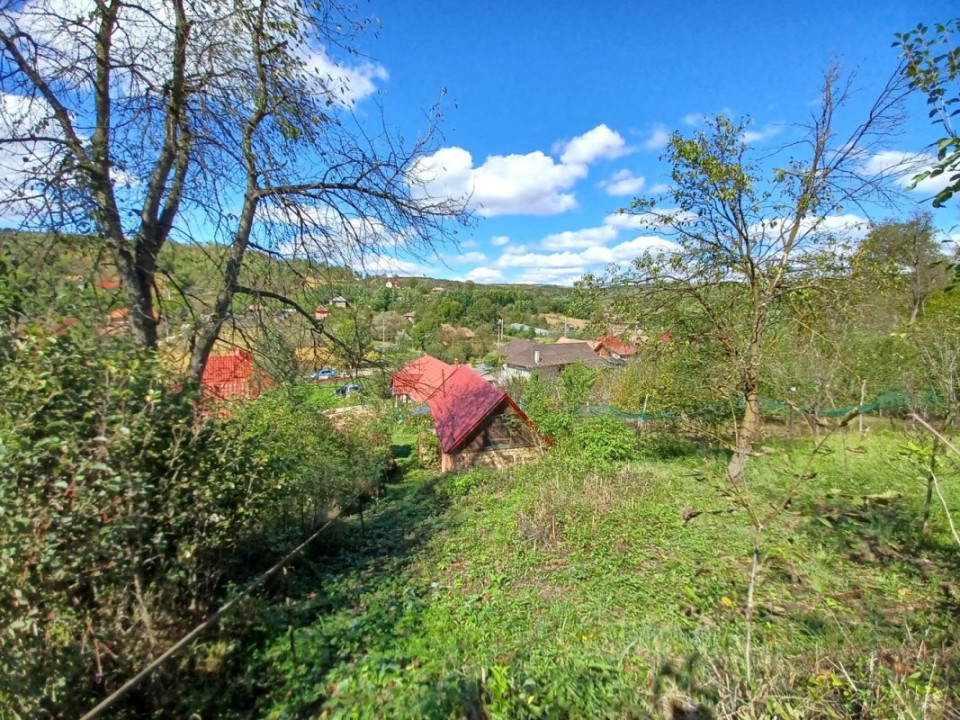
pixel 889 401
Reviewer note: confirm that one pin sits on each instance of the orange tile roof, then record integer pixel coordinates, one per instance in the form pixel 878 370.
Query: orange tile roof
pixel 421 378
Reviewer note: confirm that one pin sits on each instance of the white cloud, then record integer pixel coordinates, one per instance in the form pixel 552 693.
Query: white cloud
pixel 468 243
pixel 589 258
pixel 848 225
pixel 903 166
pixel 632 249
pixel 549 276
pixel 601 142
pixel 485 275
pixel 764 133
pixel 659 188
pixel 659 137
pixel 623 182
pixel 579 239
pixel 647 220
pixel 531 184
pixel 564 268
pixel 348 84
pixel 499 240
pixel 469 257
pixel 386 265
pixel 693 119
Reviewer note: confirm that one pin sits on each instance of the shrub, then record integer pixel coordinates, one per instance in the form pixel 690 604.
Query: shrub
pixel 124 516
pixel 604 439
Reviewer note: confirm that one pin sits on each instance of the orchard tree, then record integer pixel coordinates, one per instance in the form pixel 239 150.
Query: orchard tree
pixel 906 257
pixel 932 65
pixel 205 121
pixel 744 237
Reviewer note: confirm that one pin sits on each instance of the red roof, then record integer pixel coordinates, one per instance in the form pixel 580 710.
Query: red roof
pixel 421 378
pixel 227 377
pixel 109 284
pixel 461 405
pixel 614 344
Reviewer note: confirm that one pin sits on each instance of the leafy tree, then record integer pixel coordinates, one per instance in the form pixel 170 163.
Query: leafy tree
pixel 932 65
pixel 139 123
pixel 745 239
pixel 904 255
pixel 574 385
pixel 386 325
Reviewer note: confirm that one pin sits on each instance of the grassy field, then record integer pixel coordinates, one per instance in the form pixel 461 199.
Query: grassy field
pixel 570 589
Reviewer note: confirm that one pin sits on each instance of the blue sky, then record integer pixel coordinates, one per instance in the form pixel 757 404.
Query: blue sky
pixel 555 114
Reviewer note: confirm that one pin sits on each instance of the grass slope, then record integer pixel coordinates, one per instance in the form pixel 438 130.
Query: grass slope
pixel 565 589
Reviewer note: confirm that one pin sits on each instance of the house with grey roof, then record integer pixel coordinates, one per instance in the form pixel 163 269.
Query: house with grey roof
pixel 522 358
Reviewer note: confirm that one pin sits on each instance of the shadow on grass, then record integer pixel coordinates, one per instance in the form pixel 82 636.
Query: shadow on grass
pixel 350 598
pixel 889 535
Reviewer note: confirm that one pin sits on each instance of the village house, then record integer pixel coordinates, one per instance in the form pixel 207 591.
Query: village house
pixel 421 378
pixel 232 377
pixel 610 346
pixel 476 423
pixel 320 313
pixel 522 358
pixel 393 283
pixel 410 317
pixel 450 334
pixel 339 302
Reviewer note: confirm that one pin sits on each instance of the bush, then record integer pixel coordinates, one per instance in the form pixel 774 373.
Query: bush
pixel 124 515
pixel 604 439
pixel 119 513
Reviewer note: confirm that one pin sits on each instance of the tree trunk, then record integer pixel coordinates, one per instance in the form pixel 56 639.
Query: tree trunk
pixel 207 335
pixel 931 477
pixel 138 287
pixel 747 432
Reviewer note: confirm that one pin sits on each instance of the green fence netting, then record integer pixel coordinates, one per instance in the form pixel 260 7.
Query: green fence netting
pixel 889 400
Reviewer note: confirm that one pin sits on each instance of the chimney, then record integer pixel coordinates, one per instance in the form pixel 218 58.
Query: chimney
pixel 536 357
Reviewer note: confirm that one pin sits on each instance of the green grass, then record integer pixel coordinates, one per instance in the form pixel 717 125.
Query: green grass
pixel 565 589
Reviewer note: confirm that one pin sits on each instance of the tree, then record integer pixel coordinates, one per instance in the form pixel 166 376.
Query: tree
pixel 904 254
pixel 933 68
pixel 201 120
pixel 742 239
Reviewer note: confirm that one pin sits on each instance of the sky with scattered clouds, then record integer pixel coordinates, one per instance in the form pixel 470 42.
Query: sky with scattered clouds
pixel 555 116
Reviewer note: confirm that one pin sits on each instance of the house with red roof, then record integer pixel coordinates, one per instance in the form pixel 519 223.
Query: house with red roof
pixel 232 377
pixel 610 346
pixel 475 422
pixel 421 378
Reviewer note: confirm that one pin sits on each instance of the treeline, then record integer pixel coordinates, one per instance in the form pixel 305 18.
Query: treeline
pixel 882 321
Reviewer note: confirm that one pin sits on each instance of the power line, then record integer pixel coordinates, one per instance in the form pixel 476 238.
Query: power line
pixel 112 699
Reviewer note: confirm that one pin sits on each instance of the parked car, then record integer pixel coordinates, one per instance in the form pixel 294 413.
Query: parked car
pixel 348 390
pixel 325 374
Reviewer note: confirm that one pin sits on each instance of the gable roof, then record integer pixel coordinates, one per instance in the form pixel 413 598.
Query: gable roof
pixel 614 344
pixel 461 405
pixel 520 353
pixel 226 377
pixel 421 378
